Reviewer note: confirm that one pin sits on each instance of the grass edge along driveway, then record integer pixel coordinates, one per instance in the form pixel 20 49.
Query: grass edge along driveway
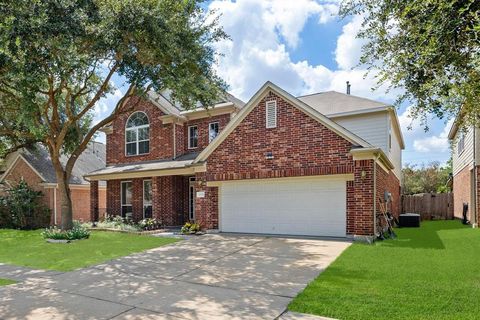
pixel 432 272
pixel 6 282
pixel 29 249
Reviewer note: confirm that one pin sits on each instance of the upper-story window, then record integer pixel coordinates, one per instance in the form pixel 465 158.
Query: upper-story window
pixel 461 143
pixel 213 130
pixel 192 137
pixel 137 134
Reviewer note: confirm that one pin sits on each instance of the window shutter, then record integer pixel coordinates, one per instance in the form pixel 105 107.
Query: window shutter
pixel 271 121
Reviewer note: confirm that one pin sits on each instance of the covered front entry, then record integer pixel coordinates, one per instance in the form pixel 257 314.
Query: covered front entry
pixel 313 206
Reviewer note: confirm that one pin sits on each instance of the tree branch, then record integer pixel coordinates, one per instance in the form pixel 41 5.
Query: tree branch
pixel 89 106
pixel 119 109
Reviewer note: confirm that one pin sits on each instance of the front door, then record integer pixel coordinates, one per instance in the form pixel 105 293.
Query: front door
pixel 191 199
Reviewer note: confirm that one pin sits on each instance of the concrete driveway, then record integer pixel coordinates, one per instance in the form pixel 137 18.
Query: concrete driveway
pixel 207 277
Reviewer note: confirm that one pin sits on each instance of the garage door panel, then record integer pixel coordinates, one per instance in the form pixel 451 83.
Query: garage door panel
pixel 297 207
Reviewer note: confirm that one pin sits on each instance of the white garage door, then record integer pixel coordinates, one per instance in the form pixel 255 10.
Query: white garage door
pixel 296 206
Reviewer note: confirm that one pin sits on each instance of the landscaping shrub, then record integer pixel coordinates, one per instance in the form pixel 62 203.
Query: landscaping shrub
pixel 149 224
pixel 190 228
pixel 76 233
pixel 22 208
pixel 118 223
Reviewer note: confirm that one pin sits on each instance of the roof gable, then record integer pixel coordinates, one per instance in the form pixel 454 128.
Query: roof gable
pixel 264 90
pixel 93 158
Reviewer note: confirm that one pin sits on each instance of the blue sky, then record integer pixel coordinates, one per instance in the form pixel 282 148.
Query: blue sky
pixel 304 47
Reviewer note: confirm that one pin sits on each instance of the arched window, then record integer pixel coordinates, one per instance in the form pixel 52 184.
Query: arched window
pixel 137 134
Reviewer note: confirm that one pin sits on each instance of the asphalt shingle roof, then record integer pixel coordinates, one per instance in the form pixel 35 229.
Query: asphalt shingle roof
pixel 93 158
pixel 331 103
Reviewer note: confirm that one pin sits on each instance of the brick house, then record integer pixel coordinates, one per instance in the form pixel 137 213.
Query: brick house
pixel 466 172
pixel 312 165
pixel 34 166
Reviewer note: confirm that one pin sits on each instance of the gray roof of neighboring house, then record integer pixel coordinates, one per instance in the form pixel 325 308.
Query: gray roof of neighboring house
pixel 332 103
pixel 93 158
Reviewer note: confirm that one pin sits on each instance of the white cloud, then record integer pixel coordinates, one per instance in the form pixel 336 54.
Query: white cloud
pixel 434 143
pixel 349 47
pixel 409 125
pixel 260 32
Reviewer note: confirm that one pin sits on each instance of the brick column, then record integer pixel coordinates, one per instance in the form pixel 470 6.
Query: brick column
pixel 137 199
pixel 164 208
pixel 94 201
pixel 206 208
pixel 363 198
pixel 156 198
pixel 113 198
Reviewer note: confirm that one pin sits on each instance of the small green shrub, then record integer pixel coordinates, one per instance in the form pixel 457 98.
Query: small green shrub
pixel 190 228
pixel 22 208
pixel 76 233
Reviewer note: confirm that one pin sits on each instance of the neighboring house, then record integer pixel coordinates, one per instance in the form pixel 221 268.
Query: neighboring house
pixel 466 176
pixel 313 165
pixel 34 165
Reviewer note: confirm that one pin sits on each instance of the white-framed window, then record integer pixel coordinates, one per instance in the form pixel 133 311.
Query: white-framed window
pixel 147 199
pixel 192 137
pixel 461 143
pixel 126 199
pixel 271 114
pixel 213 129
pixel 137 134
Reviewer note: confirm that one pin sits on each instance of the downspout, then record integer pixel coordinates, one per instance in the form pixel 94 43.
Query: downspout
pixel 55 205
pixel 375 195
pixel 174 141
pixel 475 187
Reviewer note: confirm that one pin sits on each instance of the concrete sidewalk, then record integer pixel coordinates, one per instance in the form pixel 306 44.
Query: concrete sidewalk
pixel 207 277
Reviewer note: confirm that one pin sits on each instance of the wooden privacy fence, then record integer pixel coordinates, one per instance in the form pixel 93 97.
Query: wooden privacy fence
pixel 429 205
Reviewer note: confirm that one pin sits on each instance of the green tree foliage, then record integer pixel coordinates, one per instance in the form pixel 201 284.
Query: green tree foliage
pixel 429 178
pixel 22 208
pixel 430 48
pixel 58 58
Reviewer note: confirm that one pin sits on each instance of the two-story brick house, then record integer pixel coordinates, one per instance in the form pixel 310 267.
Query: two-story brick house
pixel 312 165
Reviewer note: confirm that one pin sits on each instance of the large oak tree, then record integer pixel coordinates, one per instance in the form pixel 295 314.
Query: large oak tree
pixel 429 48
pixel 58 57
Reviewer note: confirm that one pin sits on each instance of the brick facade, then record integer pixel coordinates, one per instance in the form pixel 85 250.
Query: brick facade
pixel 161 135
pixel 462 189
pixel 298 146
pixel 113 198
pixel 464 192
pixel 80 194
pixel 203 131
pixel 316 150
pixel 206 208
pixel 94 207
pixel 363 189
pixel 169 199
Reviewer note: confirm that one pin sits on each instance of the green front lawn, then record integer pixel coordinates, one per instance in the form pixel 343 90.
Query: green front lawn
pixel 28 248
pixel 427 273
pixel 5 282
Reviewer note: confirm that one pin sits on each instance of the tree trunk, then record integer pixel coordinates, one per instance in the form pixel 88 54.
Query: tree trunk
pixel 66 204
